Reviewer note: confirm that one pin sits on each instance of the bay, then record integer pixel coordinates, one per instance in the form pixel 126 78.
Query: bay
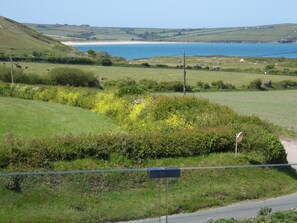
pixel 134 51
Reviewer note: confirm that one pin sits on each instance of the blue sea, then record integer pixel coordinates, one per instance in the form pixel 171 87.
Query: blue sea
pixel 134 51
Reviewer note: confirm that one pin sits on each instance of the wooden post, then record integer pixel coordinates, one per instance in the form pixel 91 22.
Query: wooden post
pixel 11 67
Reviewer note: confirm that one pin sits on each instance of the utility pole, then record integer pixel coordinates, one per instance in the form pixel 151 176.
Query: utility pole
pixel 184 73
pixel 11 65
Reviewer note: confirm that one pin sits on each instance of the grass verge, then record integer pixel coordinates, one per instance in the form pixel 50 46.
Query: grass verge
pixel 112 197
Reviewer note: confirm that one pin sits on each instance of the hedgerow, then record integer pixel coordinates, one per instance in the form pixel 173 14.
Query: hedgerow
pixel 159 127
pixel 137 147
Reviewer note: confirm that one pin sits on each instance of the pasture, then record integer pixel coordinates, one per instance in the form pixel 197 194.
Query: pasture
pixel 277 107
pixel 36 118
pixel 161 74
pixel 243 63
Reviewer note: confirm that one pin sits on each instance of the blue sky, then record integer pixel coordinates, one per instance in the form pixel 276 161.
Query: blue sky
pixel 152 13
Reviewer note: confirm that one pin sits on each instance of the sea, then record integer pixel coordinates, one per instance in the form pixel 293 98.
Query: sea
pixel 137 51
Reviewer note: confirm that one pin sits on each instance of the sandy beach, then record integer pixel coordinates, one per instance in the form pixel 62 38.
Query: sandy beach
pixel 72 43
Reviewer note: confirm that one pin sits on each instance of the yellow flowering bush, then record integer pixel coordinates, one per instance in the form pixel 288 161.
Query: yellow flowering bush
pixel 109 105
pixel 174 121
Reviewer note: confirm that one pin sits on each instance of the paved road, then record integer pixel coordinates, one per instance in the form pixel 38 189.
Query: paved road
pixel 239 210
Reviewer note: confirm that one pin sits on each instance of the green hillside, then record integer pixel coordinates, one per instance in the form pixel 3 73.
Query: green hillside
pixel 268 33
pixel 27 42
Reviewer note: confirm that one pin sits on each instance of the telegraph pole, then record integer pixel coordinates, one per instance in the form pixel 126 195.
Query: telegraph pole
pixel 11 65
pixel 184 73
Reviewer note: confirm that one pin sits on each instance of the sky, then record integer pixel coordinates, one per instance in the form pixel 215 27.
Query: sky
pixel 152 13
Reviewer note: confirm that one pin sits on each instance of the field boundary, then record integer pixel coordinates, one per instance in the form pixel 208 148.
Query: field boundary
pixel 142 169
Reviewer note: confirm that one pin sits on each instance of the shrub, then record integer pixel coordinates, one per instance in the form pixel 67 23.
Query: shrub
pixel 175 86
pixel 149 85
pixel 256 84
pixel 145 65
pixel 36 152
pixel 73 77
pixel 130 90
pixel 222 86
pixel 105 61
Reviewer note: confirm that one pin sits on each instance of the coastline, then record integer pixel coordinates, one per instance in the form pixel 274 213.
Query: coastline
pixel 137 42
pixel 84 43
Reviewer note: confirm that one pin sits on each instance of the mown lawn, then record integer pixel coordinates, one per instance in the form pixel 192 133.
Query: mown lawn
pixel 37 118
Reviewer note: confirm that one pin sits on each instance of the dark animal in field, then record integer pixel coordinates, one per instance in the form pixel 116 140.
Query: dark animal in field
pixel 26 67
pixel 103 78
pixel 4 63
pixel 19 66
pixel 197 66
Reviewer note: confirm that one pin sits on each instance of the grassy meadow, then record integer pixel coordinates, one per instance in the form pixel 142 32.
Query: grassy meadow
pixel 277 107
pixel 161 74
pixel 28 118
pixel 248 63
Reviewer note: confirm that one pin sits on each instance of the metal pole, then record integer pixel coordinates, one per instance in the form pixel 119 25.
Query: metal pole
pixel 166 200
pixel 11 67
pixel 236 144
pixel 160 200
pixel 184 73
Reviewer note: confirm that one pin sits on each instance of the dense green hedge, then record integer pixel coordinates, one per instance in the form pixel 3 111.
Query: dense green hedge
pixel 43 151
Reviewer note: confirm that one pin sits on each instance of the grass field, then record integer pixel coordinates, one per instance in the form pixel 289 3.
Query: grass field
pixel 158 74
pixel 251 63
pixel 37 118
pixel 277 107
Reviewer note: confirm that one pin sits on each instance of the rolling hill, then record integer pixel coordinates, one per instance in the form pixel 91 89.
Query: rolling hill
pixel 27 42
pixel 283 33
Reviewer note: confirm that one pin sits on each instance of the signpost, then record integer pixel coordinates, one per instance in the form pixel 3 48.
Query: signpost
pixel 160 173
pixel 239 138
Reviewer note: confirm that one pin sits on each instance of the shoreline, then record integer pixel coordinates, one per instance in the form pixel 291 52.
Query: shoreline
pixel 138 42
pixel 85 43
